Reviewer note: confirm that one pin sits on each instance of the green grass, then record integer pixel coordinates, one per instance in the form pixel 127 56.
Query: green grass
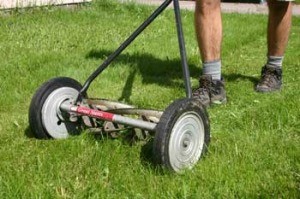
pixel 254 151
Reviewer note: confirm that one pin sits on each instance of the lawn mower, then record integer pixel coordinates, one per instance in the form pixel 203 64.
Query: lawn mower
pixel 181 133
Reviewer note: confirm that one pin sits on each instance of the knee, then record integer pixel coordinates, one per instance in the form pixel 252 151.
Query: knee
pixel 207 6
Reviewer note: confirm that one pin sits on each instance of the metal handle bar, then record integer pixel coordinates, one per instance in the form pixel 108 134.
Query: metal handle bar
pixel 132 37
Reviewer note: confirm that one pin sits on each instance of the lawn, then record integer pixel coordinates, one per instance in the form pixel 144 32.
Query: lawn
pixel 255 145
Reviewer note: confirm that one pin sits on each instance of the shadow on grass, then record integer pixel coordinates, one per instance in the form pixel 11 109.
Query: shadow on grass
pixel 235 77
pixel 153 70
pixel 158 71
pixel 146 154
pixel 28 133
pixel 238 77
pixel 148 159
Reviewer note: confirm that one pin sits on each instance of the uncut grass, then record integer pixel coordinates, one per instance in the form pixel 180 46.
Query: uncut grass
pixel 254 150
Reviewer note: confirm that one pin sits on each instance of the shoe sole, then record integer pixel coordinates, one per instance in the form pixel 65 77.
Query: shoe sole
pixel 267 90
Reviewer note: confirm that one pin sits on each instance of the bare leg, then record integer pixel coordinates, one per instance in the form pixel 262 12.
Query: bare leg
pixel 279 25
pixel 208 24
pixel 280 16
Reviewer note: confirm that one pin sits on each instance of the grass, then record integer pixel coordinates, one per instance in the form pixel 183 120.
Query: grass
pixel 254 152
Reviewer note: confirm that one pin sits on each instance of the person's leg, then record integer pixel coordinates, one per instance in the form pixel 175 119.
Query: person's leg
pixel 279 24
pixel 208 25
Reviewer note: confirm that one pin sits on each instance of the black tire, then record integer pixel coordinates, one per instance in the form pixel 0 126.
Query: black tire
pixel 181 120
pixel 36 123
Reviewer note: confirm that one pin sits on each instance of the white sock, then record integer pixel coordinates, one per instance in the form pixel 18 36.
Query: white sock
pixel 275 61
pixel 212 68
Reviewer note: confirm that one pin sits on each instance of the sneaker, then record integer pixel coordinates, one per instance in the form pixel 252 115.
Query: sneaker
pixel 210 91
pixel 271 79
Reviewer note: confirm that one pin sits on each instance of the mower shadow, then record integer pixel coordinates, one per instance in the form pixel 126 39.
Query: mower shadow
pixel 148 160
pixel 28 133
pixel 146 153
pixel 153 70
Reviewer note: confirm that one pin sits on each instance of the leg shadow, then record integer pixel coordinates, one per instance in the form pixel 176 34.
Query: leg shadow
pixel 236 77
pixel 153 70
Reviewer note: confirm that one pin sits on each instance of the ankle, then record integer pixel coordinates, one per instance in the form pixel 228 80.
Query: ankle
pixel 274 62
pixel 213 69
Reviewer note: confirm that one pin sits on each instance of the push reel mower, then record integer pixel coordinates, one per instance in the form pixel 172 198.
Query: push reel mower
pixel 61 108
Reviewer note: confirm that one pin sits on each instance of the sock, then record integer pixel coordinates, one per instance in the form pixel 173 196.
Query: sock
pixel 274 61
pixel 212 68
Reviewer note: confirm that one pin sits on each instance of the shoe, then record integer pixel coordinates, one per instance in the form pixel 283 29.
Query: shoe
pixel 210 91
pixel 271 80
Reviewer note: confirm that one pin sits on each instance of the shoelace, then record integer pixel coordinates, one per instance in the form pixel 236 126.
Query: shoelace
pixel 204 87
pixel 269 76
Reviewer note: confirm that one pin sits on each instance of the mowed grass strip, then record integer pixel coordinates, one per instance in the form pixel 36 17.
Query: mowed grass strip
pixel 254 149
